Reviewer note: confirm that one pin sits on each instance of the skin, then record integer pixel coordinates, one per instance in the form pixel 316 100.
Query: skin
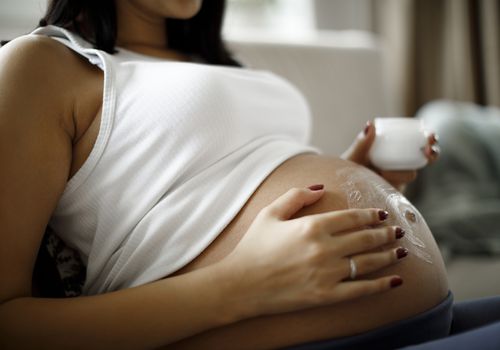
pixel 144 31
pixel 424 283
pixel 52 136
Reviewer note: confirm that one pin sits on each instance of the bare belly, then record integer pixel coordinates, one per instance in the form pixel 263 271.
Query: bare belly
pixel 348 186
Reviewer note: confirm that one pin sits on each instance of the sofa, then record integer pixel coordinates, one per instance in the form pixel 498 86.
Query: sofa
pixel 339 73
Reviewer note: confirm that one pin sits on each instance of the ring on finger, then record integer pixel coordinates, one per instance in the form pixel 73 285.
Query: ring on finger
pixel 353 270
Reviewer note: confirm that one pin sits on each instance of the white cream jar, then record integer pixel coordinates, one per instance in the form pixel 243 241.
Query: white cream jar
pixel 399 144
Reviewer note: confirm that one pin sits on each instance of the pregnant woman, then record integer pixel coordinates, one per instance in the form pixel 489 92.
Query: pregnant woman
pixel 185 183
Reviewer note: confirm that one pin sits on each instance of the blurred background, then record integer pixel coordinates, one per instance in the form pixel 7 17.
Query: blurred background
pixel 357 59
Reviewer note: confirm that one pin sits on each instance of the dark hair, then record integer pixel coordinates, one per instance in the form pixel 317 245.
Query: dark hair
pixel 95 21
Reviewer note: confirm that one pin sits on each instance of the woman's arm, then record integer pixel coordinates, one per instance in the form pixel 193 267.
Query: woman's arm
pixel 37 90
pixel 269 272
pixel 143 317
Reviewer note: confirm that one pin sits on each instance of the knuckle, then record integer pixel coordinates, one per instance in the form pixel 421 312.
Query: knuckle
pixel 337 249
pixel 267 211
pixel 296 192
pixel 387 258
pixel 354 216
pixel 381 285
pixel 310 227
pixel 295 196
pixel 374 215
pixel 365 288
pixel 375 287
pixel 316 254
pixel 368 239
pixel 370 287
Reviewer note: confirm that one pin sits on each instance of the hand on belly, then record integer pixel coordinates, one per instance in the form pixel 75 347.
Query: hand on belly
pixel 347 186
pixel 290 263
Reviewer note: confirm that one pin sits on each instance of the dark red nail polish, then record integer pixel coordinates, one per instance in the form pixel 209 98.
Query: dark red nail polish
pixel 401 252
pixel 382 215
pixel 399 233
pixel 396 282
pixel 316 187
pixel 367 128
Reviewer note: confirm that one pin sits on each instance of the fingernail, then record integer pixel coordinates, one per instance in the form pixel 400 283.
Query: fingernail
pixel 316 187
pixel 401 252
pixel 399 233
pixel 396 282
pixel 434 150
pixel 382 215
pixel 435 138
pixel 367 128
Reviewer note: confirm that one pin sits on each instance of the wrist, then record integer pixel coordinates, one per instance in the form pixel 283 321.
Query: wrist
pixel 235 293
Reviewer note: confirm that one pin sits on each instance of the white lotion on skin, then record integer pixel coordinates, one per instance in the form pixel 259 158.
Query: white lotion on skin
pixel 360 195
pixel 399 144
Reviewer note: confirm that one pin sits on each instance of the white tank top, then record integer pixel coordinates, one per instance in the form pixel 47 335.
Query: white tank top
pixel 181 148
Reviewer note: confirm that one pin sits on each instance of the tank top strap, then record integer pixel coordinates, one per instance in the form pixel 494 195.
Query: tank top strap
pixel 74 42
pixel 109 67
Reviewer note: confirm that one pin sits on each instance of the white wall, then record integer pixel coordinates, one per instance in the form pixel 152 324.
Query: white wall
pixel 286 18
pixel 18 17
pixel 344 14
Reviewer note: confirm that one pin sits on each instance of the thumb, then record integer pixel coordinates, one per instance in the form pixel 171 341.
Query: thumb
pixel 358 151
pixel 285 206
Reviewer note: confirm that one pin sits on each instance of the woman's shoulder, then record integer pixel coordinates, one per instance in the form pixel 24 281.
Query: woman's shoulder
pixel 38 66
pixel 38 56
pixel 41 72
pixel 34 51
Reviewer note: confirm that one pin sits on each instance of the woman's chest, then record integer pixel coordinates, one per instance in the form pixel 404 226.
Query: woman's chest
pixel 195 110
pixel 184 99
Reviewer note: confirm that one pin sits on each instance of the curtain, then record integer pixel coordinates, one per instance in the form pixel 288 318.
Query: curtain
pixel 440 49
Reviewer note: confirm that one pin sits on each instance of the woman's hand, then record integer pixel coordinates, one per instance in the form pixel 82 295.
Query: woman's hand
pixel 358 153
pixel 284 264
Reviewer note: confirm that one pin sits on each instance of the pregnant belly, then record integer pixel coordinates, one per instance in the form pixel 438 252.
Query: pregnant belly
pixel 348 186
